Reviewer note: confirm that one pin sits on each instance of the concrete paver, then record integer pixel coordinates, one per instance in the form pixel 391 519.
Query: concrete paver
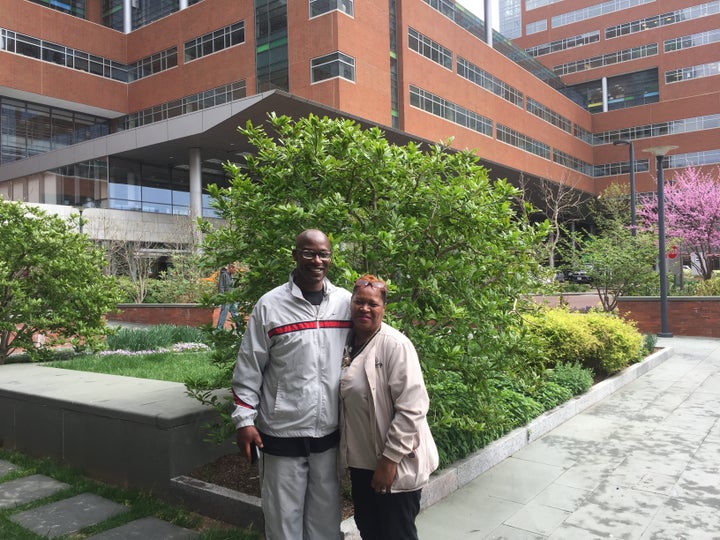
pixel 27 489
pixel 145 528
pixel 644 463
pixel 68 515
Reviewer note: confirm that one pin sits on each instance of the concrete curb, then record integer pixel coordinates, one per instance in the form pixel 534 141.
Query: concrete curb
pixel 240 509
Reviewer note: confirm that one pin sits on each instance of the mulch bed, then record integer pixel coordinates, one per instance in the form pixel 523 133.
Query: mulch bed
pixel 232 471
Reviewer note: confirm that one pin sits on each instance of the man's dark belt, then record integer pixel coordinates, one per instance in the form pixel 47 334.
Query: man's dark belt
pixel 298 446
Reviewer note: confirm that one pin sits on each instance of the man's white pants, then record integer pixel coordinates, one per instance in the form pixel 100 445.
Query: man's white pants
pixel 301 497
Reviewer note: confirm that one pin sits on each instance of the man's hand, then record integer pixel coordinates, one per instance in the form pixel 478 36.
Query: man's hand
pixel 245 437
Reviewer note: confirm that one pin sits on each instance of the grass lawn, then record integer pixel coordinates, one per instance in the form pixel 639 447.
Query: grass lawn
pixel 164 366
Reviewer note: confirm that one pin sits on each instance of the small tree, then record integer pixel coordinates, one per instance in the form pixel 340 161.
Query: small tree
pixel 620 264
pixel 51 280
pixel 692 215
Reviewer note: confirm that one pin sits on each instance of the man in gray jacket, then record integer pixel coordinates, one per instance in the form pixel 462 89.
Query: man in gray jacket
pixel 286 391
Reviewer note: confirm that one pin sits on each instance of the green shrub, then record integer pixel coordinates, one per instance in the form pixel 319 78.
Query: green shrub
pixel 648 346
pixel 573 376
pixel 550 394
pixel 621 343
pixel 162 335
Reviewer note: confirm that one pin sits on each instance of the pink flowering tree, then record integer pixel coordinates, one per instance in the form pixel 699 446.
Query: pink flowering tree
pixel 692 215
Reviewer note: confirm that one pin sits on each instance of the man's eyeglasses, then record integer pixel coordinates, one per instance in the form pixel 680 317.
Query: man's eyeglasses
pixel 309 255
pixel 360 283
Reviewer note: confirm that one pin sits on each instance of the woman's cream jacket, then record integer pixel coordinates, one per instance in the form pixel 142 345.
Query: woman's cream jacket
pixel 398 408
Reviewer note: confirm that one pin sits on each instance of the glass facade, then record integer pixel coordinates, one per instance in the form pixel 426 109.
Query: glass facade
pixel 271 42
pixel 627 90
pixel 28 129
pixel 115 183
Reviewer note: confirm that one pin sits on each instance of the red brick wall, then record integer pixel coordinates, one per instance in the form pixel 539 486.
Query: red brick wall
pixel 177 314
pixel 687 316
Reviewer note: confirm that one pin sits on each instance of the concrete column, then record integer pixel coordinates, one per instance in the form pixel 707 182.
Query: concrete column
pixel 605 94
pixel 183 4
pixel 488 23
pixel 127 16
pixel 195 183
pixel 195 193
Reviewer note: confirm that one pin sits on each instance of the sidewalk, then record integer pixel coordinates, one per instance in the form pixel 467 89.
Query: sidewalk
pixel 642 463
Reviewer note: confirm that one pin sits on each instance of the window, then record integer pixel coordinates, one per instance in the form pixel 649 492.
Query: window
pixel 319 7
pixel 213 42
pixel 429 49
pixel 332 65
pixel 448 110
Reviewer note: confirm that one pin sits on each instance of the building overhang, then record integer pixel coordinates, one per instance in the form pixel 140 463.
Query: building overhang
pixel 214 131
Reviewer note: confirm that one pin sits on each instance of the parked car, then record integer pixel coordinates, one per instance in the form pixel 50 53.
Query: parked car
pixel 577 276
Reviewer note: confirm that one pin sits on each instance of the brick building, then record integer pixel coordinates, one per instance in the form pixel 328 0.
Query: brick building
pixel 127 108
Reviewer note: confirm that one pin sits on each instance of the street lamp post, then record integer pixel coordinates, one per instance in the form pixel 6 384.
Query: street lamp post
pixel 659 152
pixel 633 222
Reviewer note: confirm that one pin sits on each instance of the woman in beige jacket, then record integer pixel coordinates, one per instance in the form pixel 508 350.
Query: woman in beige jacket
pixel 385 439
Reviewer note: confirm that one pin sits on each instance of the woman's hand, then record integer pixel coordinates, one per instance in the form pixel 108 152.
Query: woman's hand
pixel 384 475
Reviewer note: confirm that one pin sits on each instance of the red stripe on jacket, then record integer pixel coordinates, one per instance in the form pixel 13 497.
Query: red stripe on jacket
pixel 309 325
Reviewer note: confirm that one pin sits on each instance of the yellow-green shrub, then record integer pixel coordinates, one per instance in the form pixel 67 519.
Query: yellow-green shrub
pixel 598 340
pixel 563 336
pixel 620 342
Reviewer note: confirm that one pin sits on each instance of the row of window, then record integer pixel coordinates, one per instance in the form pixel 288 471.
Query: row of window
pixel 595 11
pixel 547 114
pixel 471 72
pixel 188 104
pixel 48 51
pixel 609 59
pixel 566 160
pixel 536 27
pixel 450 111
pixel 320 7
pixel 694 40
pixel 442 108
pixel 693 72
pixel 443 56
pixel 143 11
pixel 212 42
pixel 672 17
pixel 428 48
pixel 534 4
pixel 563 44
pixel 685 125
pixel 522 141
pixel 155 63
pixel 620 167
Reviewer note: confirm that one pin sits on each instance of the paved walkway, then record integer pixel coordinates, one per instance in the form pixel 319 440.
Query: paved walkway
pixel 644 463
